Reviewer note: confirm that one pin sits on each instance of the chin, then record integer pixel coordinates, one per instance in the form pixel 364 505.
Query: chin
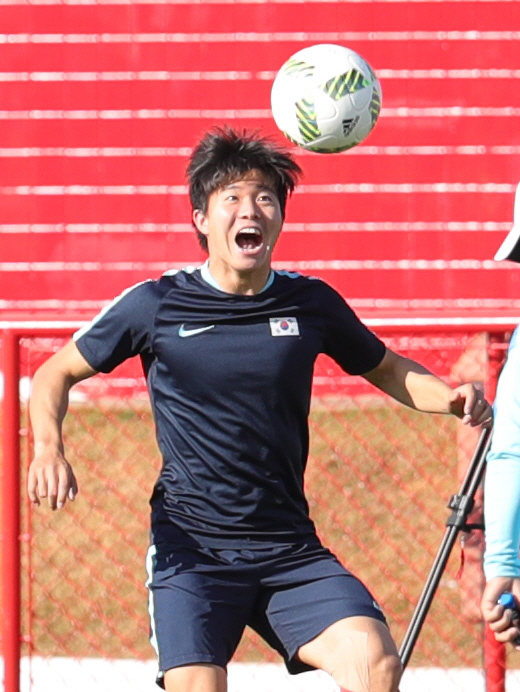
pixel 257 261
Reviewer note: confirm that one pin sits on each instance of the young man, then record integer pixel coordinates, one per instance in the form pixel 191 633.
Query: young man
pixel 228 350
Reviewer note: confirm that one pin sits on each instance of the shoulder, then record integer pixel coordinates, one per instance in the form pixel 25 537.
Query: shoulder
pixel 313 285
pixel 139 303
pixel 140 297
pixel 312 292
pixel 151 290
pixel 288 278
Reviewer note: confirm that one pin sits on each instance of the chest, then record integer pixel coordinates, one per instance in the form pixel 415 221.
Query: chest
pixel 246 352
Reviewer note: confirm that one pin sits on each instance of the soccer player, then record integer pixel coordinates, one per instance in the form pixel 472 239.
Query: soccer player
pixel 228 351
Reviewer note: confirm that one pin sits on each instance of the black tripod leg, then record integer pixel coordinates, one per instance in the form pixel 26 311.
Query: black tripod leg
pixel 461 505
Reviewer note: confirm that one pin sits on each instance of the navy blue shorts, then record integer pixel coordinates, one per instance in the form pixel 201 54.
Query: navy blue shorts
pixel 201 599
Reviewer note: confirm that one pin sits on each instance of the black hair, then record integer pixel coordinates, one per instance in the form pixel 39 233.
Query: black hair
pixel 224 155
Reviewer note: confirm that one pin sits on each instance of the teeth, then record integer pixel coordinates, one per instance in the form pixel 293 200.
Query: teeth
pixel 255 231
pixel 249 239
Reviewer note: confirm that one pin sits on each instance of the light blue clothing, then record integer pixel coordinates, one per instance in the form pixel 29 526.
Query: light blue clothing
pixel 502 481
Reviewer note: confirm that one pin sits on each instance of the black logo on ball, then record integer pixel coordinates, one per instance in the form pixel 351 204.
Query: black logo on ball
pixel 349 125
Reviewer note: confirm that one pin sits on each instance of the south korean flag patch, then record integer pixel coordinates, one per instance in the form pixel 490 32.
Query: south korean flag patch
pixel 284 326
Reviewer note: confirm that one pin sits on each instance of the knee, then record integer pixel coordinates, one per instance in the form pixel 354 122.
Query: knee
pixel 385 675
pixel 381 675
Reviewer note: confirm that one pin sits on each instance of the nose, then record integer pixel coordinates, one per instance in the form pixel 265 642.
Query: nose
pixel 249 208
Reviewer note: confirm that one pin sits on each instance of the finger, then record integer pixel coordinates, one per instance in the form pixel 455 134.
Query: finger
pixel 493 590
pixel 501 622
pixel 505 628
pixel 41 484
pixel 52 488
pixel 32 484
pixel 481 414
pixel 491 611
pixel 63 488
pixel 489 614
pixel 457 401
pixel 476 410
pixel 506 635
pixel 486 417
pixel 470 403
pixel 474 402
pixel 485 420
pixel 73 490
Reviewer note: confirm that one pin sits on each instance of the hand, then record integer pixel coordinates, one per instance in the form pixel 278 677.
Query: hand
pixel 51 476
pixel 497 617
pixel 467 403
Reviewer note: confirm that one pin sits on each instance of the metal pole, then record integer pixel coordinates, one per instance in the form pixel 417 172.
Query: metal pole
pixel 461 505
pixel 11 512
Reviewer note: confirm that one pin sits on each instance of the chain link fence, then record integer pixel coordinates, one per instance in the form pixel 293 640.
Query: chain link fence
pixel 378 481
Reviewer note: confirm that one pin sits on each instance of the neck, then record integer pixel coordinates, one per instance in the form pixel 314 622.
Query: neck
pixel 239 283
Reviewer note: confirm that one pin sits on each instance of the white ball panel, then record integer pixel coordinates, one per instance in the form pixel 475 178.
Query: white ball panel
pixel 338 102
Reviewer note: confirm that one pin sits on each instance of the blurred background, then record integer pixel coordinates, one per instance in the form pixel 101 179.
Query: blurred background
pixel 102 102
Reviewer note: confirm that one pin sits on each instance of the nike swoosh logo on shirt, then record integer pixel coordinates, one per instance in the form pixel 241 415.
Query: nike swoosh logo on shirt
pixel 184 332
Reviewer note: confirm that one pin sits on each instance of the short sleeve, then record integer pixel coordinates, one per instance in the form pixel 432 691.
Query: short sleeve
pixel 123 329
pixel 355 348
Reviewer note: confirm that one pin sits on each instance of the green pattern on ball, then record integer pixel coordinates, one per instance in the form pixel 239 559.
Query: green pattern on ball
pixel 346 83
pixel 307 121
pixel 375 106
pixel 298 67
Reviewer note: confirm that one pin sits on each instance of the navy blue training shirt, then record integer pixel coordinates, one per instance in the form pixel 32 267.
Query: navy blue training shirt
pixel 230 378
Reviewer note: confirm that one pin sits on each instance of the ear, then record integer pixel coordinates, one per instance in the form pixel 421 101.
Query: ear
pixel 200 221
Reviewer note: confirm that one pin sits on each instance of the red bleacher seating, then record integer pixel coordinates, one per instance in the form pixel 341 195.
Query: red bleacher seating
pixel 102 102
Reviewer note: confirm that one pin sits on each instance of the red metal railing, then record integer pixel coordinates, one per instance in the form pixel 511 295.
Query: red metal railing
pixel 11 335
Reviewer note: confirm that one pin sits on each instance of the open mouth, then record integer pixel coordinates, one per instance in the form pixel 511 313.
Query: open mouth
pixel 249 239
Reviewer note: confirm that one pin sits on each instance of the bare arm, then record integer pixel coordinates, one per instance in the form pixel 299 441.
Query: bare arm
pixel 50 474
pixel 413 385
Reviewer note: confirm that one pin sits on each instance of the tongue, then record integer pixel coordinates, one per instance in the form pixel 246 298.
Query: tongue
pixel 248 241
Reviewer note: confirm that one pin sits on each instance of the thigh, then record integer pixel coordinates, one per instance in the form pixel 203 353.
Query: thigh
pixel 197 678
pixel 199 606
pixel 358 652
pixel 305 593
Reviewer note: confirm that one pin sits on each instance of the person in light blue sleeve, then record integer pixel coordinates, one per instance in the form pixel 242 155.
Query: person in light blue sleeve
pixel 502 482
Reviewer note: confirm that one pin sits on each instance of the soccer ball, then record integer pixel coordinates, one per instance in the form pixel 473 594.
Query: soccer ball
pixel 326 98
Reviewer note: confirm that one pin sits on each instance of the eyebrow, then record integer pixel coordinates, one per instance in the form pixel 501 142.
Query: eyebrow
pixel 260 186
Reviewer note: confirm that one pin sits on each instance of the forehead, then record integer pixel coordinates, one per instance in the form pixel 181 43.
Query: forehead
pixel 251 179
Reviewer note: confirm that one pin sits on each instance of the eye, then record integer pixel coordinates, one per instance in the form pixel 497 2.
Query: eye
pixel 266 198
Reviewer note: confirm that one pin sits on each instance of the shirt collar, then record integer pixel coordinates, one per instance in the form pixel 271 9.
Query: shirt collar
pixel 208 278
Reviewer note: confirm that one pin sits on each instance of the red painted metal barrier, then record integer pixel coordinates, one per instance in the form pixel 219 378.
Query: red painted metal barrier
pixel 11 512
pixel 438 343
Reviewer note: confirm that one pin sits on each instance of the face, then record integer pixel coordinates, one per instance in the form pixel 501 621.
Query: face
pixel 242 224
